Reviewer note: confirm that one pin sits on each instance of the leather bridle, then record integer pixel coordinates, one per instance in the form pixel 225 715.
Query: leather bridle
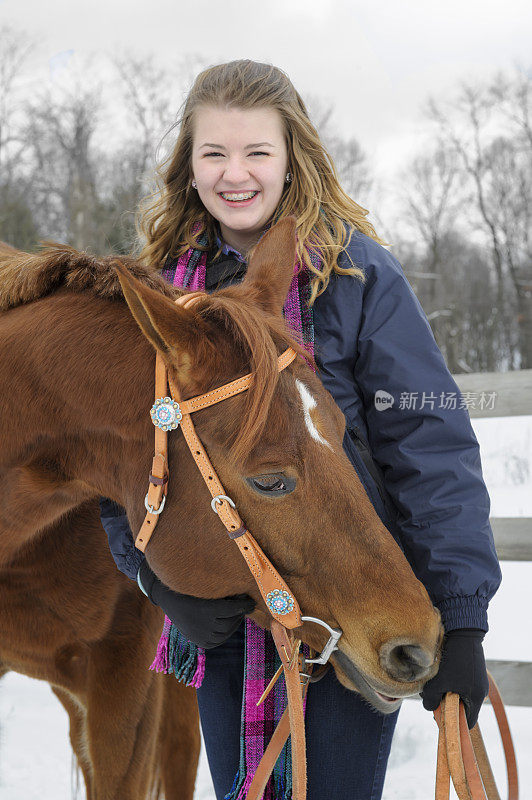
pixel 169 412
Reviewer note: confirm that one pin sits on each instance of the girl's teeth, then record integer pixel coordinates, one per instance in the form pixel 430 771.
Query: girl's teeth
pixel 239 196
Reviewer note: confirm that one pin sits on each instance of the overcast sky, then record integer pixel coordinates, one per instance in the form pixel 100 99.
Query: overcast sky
pixel 377 60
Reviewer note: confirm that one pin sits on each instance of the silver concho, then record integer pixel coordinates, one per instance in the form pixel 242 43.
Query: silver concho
pixel 165 414
pixel 279 602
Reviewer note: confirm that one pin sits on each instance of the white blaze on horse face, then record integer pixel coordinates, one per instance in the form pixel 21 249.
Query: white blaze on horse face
pixel 309 403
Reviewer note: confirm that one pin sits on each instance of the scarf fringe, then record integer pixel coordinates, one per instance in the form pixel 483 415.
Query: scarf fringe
pixel 160 662
pixel 240 787
pixel 281 789
pixel 176 655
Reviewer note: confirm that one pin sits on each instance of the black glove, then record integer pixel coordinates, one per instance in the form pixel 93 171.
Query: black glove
pixel 462 670
pixel 121 540
pixel 207 623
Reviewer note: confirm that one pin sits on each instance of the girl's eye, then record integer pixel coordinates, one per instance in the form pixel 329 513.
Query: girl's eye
pixel 257 153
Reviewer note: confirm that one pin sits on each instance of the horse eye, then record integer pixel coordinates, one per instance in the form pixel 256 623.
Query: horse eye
pixel 267 486
pixel 272 485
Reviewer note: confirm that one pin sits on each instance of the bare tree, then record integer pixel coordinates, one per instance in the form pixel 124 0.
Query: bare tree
pixel 61 133
pixel 459 298
pixel 513 97
pixel 147 97
pixel 510 164
pixel 347 154
pixel 17 225
pixel 14 50
pixel 429 203
pixel 432 200
pixel 497 163
pixel 448 269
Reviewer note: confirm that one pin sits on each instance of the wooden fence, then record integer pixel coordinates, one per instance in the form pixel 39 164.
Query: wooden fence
pixel 512 395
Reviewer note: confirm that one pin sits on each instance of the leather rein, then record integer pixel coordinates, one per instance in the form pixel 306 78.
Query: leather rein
pixel 462 755
pixel 170 412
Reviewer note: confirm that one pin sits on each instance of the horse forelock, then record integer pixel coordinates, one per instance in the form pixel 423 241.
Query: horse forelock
pixel 259 337
pixel 25 277
pixel 256 335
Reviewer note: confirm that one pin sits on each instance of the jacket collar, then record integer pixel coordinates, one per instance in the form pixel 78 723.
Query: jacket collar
pixel 226 248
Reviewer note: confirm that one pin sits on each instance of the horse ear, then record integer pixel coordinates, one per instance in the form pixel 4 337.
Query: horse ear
pixel 271 267
pixel 170 328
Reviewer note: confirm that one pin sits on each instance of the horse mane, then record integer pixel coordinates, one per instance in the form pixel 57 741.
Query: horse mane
pixel 25 277
pixel 257 335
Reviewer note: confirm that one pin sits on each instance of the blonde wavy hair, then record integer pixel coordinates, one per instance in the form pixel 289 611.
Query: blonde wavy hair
pixel 166 217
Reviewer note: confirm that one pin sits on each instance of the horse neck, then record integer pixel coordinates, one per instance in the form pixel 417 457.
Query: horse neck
pixel 77 385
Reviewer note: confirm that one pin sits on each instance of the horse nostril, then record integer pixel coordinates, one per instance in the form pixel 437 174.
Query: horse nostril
pixel 405 662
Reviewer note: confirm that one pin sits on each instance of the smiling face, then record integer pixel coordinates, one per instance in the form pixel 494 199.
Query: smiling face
pixel 239 150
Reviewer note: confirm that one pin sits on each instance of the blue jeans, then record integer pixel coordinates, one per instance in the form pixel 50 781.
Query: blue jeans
pixel 348 743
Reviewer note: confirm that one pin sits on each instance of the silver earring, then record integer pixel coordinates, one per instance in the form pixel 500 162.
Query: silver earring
pixel 194 185
pixel 288 177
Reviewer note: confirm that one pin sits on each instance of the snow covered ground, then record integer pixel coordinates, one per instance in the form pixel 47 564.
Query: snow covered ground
pixel 35 757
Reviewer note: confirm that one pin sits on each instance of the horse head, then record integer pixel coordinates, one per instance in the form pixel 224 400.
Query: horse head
pixel 278 450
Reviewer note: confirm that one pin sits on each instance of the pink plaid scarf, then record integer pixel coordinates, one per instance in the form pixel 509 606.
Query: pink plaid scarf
pixel 177 655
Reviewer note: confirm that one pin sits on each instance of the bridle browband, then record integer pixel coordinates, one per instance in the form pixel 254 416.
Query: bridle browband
pixel 458 754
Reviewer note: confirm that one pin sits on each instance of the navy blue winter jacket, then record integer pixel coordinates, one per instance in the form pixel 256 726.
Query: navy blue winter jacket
pixel 416 454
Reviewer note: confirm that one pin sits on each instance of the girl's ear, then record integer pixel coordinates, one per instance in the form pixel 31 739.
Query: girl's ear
pixel 271 267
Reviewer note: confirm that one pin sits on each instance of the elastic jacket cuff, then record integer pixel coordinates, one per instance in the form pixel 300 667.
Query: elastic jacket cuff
pixel 133 561
pixel 464 612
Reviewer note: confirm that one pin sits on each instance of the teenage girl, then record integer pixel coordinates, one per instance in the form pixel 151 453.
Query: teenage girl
pixel 246 155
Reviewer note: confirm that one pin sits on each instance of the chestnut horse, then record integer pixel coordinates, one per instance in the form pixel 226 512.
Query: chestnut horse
pixel 78 372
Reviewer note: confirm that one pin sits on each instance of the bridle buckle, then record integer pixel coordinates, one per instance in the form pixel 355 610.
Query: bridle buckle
pixel 218 499
pixel 153 510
